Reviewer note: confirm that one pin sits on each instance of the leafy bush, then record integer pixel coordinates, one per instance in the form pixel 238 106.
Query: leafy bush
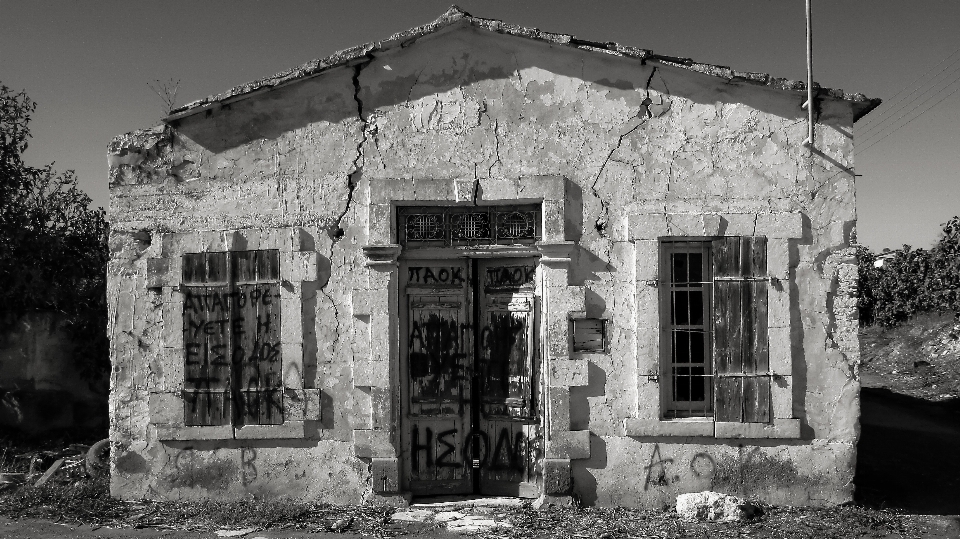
pixel 53 249
pixel 911 281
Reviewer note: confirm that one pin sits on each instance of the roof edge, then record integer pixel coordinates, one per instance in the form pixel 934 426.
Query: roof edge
pixel 454 15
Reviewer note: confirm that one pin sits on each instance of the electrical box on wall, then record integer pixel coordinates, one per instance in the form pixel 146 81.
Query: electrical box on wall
pixel 589 335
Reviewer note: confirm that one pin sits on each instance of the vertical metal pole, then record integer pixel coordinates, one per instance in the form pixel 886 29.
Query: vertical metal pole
pixel 809 104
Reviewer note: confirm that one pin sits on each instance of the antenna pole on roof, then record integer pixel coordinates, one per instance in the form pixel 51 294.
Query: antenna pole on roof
pixel 809 103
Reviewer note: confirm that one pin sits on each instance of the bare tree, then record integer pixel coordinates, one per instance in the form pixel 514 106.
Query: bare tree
pixel 167 91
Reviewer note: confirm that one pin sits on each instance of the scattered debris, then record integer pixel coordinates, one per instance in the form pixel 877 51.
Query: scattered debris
pixel 49 473
pixel 97 459
pixel 69 495
pixel 413 515
pixel 341 525
pixel 235 533
pixel 446 516
pixel 715 507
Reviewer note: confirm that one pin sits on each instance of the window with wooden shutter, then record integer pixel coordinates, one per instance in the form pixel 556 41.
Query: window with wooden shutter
pixel 714 329
pixel 740 349
pixel 231 330
pixel 685 308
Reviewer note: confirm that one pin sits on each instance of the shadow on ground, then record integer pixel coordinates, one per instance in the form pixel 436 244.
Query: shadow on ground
pixel 909 453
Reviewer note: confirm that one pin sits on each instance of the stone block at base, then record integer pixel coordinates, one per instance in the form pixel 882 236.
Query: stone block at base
pixel 385 475
pixel 549 502
pixel 556 477
pixel 401 499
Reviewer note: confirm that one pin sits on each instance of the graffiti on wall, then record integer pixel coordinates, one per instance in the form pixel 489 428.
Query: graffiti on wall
pixel 662 471
pixel 232 354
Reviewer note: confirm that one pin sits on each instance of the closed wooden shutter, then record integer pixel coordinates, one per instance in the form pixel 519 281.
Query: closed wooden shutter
pixel 206 340
pixel 231 335
pixel 740 349
pixel 256 338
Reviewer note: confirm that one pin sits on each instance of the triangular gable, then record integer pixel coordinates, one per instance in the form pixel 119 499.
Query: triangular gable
pixel 455 16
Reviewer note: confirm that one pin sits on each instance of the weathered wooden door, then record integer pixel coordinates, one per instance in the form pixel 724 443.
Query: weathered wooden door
pixel 470 420
pixel 506 421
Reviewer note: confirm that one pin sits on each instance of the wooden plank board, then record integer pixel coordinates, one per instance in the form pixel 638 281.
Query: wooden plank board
pixel 439 349
pixel 728 327
pixel 729 398
pixel 756 399
pixel 207 358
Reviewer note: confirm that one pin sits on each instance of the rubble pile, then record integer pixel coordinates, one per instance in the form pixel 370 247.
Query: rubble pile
pixel 73 463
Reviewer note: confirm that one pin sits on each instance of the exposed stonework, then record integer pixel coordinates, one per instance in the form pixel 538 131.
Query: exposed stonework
pixel 617 150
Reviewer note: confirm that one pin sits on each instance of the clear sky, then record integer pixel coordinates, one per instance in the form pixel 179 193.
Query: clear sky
pixel 87 64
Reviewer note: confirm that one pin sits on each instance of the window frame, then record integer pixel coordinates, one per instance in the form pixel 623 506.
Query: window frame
pixel 298 267
pixel 670 409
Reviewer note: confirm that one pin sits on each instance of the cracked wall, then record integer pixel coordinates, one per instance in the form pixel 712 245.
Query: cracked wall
pixel 466 105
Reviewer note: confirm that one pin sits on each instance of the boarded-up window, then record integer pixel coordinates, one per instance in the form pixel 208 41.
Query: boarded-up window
pixel 714 305
pixel 231 334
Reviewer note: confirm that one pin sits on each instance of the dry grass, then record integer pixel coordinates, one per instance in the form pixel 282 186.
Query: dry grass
pixel 89 502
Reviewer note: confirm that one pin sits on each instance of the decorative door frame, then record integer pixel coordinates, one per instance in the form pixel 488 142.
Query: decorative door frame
pixel 376 307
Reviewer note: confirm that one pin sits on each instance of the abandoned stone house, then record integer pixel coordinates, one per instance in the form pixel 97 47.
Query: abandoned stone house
pixel 481 259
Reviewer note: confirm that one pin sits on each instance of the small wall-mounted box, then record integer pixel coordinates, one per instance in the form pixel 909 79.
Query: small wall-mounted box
pixel 589 335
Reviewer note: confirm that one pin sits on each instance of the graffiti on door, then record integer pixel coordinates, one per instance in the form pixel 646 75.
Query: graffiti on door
pixel 435 275
pixel 471 422
pixel 506 450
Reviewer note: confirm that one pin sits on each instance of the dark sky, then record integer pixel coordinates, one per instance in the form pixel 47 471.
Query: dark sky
pixel 88 64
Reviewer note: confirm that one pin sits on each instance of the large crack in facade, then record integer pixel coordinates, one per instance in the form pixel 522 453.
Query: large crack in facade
pixel 642 116
pixel 335 231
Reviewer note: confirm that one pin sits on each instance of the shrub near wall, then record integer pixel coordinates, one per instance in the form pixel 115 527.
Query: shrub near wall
pixel 53 257
pixel 912 281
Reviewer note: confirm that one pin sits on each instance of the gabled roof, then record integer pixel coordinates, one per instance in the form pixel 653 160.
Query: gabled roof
pixel 456 16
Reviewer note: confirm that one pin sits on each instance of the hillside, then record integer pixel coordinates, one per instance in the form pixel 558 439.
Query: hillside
pixel 920 358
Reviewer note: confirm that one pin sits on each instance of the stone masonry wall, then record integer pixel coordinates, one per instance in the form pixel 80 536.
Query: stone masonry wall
pixel 644 151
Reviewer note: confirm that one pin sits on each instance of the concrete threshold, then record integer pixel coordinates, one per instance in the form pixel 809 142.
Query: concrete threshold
pixel 461 502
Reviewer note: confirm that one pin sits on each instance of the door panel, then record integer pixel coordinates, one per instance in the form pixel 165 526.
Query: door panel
pixel 470 418
pixel 436 382
pixel 507 378
pixel 439 355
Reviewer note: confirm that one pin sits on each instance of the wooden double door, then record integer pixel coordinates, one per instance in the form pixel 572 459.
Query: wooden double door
pixel 469 377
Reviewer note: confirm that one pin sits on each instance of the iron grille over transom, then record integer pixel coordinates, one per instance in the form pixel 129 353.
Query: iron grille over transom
pixel 425 227
pixel 445 226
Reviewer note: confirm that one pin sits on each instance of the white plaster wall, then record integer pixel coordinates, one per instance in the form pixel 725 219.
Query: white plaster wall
pixel 466 104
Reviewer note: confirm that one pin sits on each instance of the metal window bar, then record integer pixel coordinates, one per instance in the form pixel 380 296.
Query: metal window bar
pixel 691 380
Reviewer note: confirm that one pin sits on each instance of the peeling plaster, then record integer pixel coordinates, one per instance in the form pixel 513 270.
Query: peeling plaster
pixel 470 107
